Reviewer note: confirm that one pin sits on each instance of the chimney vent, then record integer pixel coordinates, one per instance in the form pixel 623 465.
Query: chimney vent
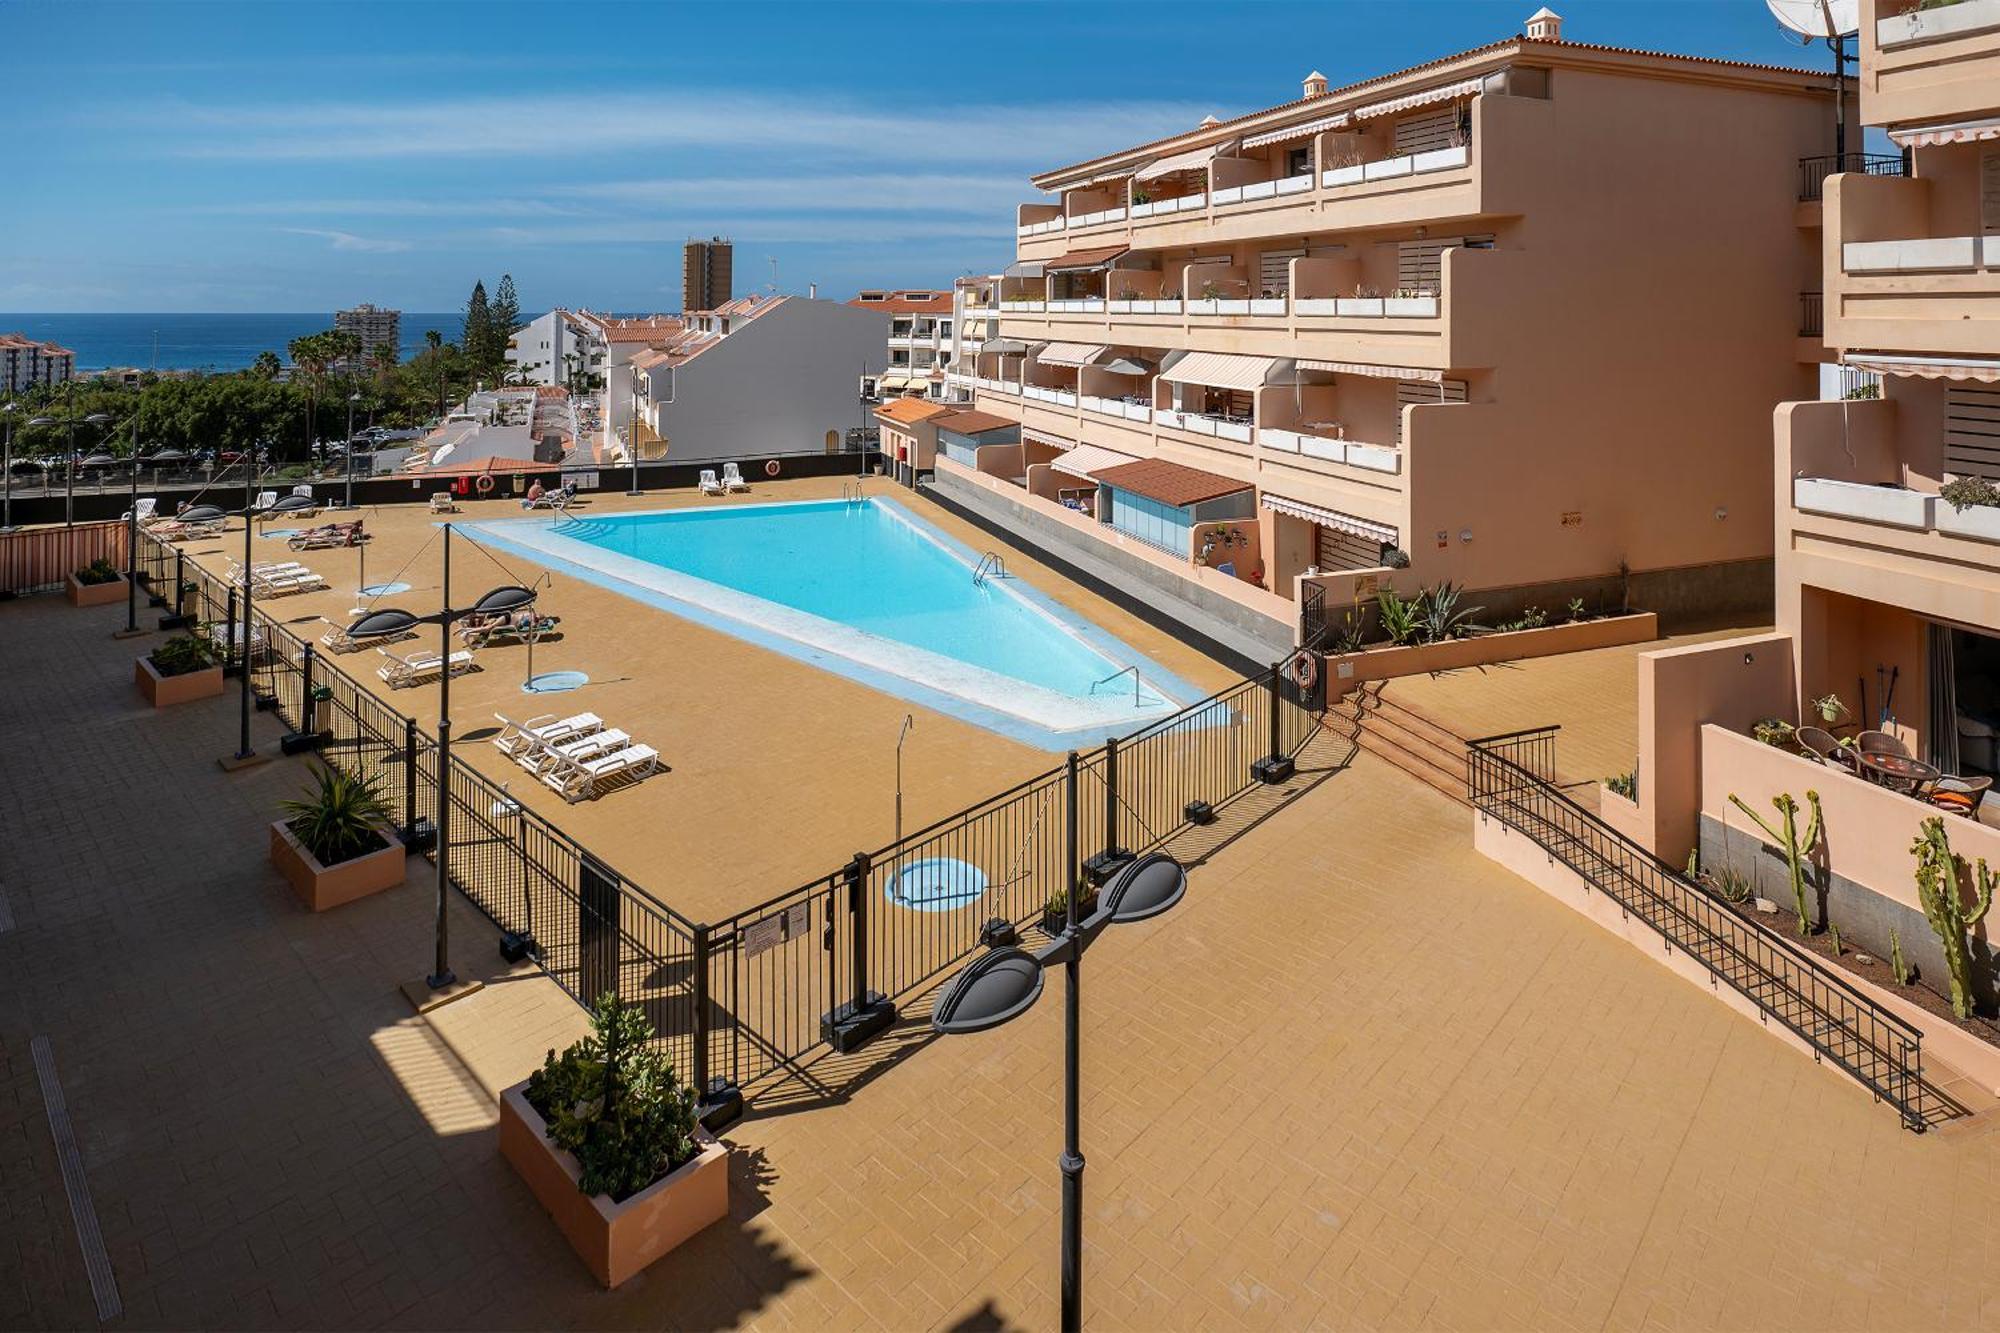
pixel 1207 121
pixel 1545 25
pixel 1315 85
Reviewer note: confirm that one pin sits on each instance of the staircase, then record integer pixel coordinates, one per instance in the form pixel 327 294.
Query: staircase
pixel 1427 750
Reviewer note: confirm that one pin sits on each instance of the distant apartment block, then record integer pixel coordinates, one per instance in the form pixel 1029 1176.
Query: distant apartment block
pixel 1515 316
pixel 372 325
pixel 25 362
pixel 920 343
pixel 755 377
pixel 562 347
pixel 621 340
pixel 706 276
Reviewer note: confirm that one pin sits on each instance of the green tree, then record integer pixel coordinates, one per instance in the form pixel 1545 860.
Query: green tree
pixel 434 341
pixel 506 317
pixel 476 343
pixel 267 366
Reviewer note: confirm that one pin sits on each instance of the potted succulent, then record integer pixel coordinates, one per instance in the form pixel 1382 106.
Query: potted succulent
pixel 335 843
pixel 1055 912
pixel 185 667
pixel 1971 508
pixel 606 1137
pixel 1774 731
pixel 1829 708
pixel 96 584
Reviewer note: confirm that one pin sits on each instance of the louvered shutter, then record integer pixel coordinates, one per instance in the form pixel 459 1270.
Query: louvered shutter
pixel 1972 432
pixel 1422 133
pixel 1274 271
pixel 1410 391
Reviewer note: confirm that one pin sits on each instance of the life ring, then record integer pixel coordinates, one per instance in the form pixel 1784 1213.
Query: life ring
pixel 1303 669
pixel 771 468
pixel 485 483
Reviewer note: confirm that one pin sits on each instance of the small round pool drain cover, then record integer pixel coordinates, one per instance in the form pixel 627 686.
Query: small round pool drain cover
pixel 555 682
pixel 936 884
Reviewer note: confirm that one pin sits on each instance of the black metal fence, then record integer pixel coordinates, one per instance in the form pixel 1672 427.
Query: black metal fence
pixel 1813 171
pixel 1511 778
pixel 747 997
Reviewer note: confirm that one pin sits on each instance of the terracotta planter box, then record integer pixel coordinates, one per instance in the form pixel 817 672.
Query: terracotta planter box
pixel 166 691
pixel 614 1240
pixel 322 887
pixel 94 594
pixel 1487 649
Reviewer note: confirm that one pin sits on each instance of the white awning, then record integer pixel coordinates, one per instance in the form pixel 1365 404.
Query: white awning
pixel 1195 159
pixel 1929 136
pixel 894 380
pixel 1303 129
pixel 1224 370
pixel 1023 268
pixel 1410 101
pixel 1086 459
pixel 1374 371
pixel 1986 370
pixel 1330 518
pixel 1070 354
pixel 1035 436
pixel 1004 346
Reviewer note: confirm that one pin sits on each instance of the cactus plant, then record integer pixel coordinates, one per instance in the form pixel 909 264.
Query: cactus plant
pixel 1833 938
pixel 1797 848
pixel 1899 967
pixel 1945 907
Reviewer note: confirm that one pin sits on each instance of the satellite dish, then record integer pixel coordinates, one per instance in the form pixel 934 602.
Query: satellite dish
pixel 1818 19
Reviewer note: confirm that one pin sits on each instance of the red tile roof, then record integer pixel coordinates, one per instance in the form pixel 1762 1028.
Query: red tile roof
pixel 909 411
pixel 972 423
pixel 1169 483
pixel 920 301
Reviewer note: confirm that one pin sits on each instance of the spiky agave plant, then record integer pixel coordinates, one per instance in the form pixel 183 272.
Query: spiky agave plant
pixel 337 817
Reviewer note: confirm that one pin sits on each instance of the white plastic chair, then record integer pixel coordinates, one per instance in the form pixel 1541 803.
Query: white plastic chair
pixel 732 477
pixel 709 485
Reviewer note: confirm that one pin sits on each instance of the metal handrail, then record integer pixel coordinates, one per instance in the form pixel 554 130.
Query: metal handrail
pixel 1132 671
pixel 1813 171
pixel 990 565
pixel 1686 916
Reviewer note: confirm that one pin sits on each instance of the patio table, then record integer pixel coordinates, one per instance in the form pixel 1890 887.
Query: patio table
pixel 1894 770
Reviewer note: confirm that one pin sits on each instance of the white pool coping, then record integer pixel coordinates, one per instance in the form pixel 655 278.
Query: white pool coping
pixel 1024 711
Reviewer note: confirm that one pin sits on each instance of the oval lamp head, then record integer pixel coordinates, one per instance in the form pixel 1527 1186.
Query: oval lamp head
pixel 503 601
pixel 1147 887
pixel 292 504
pixel 98 418
pixel 43 421
pixel 380 624
pixel 201 514
pixel 98 460
pixel 994 988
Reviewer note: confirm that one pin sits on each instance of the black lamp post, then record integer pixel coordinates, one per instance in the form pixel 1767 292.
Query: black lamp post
pixel 632 438
pixel 132 629
pixel 1004 983
pixel 288 504
pixel 392 621
pixel 71 422
pixel 352 399
pixel 9 411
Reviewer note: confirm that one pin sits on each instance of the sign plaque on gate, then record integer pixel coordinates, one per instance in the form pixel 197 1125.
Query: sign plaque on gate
pixel 778 928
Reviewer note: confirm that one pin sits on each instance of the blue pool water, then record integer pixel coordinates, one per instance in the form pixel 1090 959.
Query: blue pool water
pixel 867 566
pixel 870 591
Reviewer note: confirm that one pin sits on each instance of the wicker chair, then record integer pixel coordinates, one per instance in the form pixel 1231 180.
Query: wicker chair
pixel 1821 744
pixel 1881 742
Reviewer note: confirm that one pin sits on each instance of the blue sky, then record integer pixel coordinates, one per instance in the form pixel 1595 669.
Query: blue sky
pixel 171 155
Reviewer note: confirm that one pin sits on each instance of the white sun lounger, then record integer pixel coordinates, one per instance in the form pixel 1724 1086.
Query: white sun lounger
pixel 582 781
pixel 732 477
pixel 442 503
pixel 517 740
pixel 142 512
pixel 579 751
pixel 420 665
pixel 291 581
pixel 709 485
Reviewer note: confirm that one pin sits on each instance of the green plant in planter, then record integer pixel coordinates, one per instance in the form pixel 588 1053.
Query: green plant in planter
pixel 97 571
pixel 1945 908
pixel 615 1101
pixel 1899 967
pixel 1400 615
pixel 337 819
pixel 1439 615
pixel 1796 848
pixel 1829 708
pixel 1774 731
pixel 1733 885
pixel 1576 611
pixel 185 653
pixel 1625 784
pixel 1348 638
pixel 1395 557
pixel 1969 493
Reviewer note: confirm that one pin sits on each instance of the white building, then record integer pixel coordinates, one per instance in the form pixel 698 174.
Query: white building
pixel 920 337
pixel 758 376
pixel 24 362
pixel 562 347
pixel 975 322
pixel 372 325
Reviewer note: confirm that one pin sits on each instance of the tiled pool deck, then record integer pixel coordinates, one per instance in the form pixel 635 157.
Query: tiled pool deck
pixel 1361 1078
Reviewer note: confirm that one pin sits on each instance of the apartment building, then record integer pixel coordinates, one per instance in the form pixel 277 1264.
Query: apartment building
pixel 618 342
pixel 706 273
pixel 1886 654
pixel 372 325
pixel 562 347
pixel 25 362
pixel 920 343
pixel 1515 316
pixel 756 377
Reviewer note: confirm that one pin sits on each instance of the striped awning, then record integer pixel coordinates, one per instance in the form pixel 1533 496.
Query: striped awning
pixel 1023 268
pixel 1373 371
pixel 1070 354
pixel 897 380
pixel 1084 261
pixel 1086 459
pixel 1930 136
pixel 1303 130
pixel 1004 346
pixel 1410 101
pixel 1037 436
pixel 1195 159
pixel 1225 370
pixel 1985 370
pixel 1330 518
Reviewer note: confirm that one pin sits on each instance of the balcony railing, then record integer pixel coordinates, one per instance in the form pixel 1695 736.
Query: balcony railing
pixel 1813 171
pixel 1354 453
pixel 1812 314
pixel 1344 307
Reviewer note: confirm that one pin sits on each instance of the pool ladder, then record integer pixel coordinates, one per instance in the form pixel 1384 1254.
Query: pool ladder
pixel 851 492
pixel 1132 671
pixel 990 566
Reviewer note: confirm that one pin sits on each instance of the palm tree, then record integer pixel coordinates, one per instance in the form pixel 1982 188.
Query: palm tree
pixel 435 341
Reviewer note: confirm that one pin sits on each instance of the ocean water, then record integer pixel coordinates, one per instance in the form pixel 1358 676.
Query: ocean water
pixel 198 342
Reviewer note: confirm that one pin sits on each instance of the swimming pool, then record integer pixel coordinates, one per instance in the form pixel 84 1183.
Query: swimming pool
pixel 873 592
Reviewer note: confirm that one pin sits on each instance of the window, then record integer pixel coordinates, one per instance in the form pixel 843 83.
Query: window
pixel 1158 525
pixel 1299 161
pixel 1989 192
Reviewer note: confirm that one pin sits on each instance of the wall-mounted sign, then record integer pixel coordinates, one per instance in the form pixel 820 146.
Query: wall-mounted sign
pixel 1572 518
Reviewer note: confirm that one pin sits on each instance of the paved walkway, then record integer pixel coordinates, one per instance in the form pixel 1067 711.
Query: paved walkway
pixel 1361 1078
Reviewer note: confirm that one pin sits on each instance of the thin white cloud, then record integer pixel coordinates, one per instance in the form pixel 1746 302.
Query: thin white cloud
pixel 347 240
pixel 1032 136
